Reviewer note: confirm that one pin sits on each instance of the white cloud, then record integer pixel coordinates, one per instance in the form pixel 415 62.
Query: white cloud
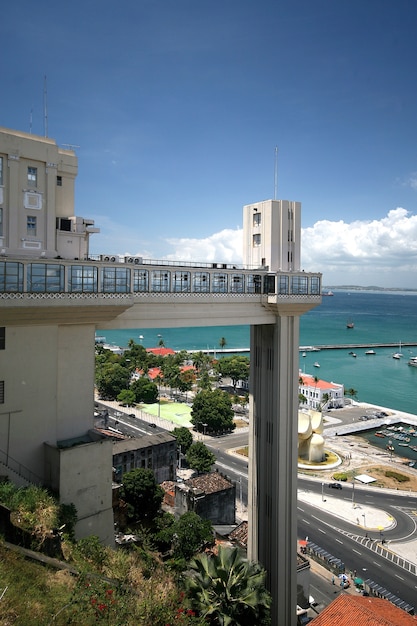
pixel 224 246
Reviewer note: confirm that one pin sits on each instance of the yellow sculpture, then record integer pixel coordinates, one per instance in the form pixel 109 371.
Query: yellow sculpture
pixel 310 439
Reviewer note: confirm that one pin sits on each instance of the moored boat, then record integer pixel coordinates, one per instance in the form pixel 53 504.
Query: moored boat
pixel 316 364
pixel 370 352
pixel 413 361
pixel 350 324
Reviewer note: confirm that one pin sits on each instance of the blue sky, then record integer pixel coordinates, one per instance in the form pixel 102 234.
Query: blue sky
pixel 177 108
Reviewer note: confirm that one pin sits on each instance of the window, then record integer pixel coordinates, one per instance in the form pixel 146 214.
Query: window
pixel 115 280
pixel 181 282
pixel 201 282
pixel 32 176
pixel 83 278
pixel 11 276
pixel 1 222
pixel 59 181
pixel 1 391
pixel 256 241
pixel 1 170
pixel 219 283
pixel 31 226
pixel 256 219
pixel 140 280
pixel 45 277
pixel 2 338
pixel 160 280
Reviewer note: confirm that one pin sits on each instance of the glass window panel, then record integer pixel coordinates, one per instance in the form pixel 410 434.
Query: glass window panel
pixel 201 282
pixel 115 280
pixel 181 282
pixel 45 277
pixel 283 285
pixel 140 280
pixel 160 281
pixel 315 285
pixel 237 283
pixel 299 285
pixel 253 283
pixel 83 278
pixel 219 282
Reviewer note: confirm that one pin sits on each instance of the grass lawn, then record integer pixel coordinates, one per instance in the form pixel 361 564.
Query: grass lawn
pixel 175 412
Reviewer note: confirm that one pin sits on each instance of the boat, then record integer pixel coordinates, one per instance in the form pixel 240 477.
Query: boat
pixel 350 324
pixel 398 354
pixel 379 433
pixel 413 361
pixel 354 354
pixel 327 293
pixel 370 352
pixel 304 354
pixel 316 364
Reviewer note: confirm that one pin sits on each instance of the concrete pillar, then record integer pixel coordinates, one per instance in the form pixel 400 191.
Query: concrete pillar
pixel 272 538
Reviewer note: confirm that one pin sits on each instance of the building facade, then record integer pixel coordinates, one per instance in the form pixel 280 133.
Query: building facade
pixel 157 452
pixel 319 394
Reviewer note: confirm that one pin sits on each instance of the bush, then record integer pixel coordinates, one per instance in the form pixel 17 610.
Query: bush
pixel 340 476
pixel 396 476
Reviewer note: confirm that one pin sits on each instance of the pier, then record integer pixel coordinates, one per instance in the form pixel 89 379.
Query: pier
pixel 349 346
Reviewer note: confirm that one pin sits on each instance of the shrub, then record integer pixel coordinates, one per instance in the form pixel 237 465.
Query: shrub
pixel 396 476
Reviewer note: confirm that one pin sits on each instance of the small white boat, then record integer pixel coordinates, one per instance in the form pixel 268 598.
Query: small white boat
pixel 316 364
pixel 398 354
pixel 370 352
pixel 304 354
pixel 413 361
pixel 354 354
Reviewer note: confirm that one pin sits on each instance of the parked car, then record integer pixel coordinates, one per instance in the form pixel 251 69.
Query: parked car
pixel 335 485
pixel 364 418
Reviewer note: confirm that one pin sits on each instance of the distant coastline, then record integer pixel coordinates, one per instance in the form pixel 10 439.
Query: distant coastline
pixel 369 288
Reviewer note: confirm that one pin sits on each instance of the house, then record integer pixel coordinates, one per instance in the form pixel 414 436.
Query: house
pixel 319 393
pixel 212 496
pixel 157 452
pixel 350 610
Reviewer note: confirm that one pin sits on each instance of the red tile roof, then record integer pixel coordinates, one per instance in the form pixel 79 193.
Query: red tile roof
pixel 349 610
pixel 308 381
pixel 160 351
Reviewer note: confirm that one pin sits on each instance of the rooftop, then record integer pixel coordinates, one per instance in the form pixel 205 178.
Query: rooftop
pixel 349 610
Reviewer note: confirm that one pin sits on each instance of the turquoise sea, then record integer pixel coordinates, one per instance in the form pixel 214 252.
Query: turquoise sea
pixel 379 317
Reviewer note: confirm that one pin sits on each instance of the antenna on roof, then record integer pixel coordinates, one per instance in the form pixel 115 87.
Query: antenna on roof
pixel 276 173
pixel 45 107
pixel 30 120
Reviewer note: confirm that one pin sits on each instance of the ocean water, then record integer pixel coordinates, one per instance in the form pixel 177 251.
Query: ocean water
pixel 379 317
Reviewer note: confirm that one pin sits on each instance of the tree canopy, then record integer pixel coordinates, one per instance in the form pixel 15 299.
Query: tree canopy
pixel 234 367
pixel 200 458
pixel 145 390
pixel 212 411
pixel 184 438
pixel 141 493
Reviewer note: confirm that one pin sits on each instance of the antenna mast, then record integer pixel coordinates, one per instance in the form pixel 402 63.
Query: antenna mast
pixel 45 107
pixel 276 173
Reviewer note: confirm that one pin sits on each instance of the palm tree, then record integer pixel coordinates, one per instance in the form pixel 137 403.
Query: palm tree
pixel 227 589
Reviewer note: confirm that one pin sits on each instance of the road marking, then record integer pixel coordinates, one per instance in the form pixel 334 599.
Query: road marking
pixel 322 531
pixel 338 541
pixel 375 563
pixel 306 522
pixel 400 577
pixel 357 551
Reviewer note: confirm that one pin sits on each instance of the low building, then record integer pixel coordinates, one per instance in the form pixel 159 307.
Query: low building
pixel 157 452
pixel 319 394
pixel 212 496
pixel 349 609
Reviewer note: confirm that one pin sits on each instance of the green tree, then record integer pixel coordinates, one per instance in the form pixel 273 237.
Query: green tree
pixel 234 367
pixel 144 390
pixel 127 397
pixel 351 392
pixel 184 438
pixel 200 458
pixel 190 533
pixel 111 378
pixel 141 493
pixel 213 408
pixel 227 589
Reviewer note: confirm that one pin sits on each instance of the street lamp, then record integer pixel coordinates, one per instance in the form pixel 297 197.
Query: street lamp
pixel 322 492
pixel 353 490
pixel 204 428
pixel 364 522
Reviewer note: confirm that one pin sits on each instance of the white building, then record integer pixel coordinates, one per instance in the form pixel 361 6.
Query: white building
pixel 319 394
